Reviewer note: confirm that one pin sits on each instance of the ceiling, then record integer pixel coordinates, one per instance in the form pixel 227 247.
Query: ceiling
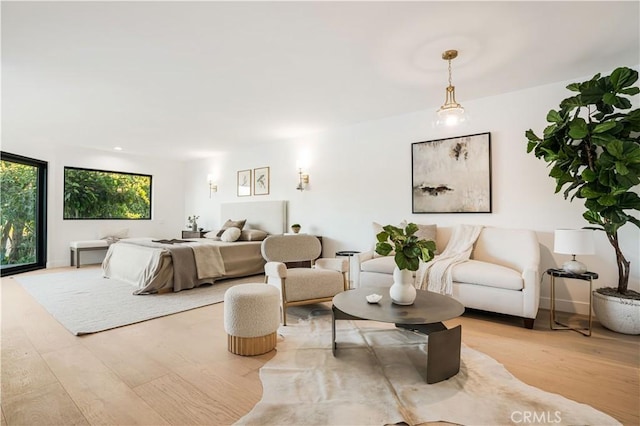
pixel 188 79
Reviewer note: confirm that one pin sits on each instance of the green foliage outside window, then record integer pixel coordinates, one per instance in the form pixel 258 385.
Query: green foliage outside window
pixel 18 185
pixel 99 194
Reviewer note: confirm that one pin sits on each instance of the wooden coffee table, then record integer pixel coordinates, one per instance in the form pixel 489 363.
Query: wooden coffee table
pixel 425 316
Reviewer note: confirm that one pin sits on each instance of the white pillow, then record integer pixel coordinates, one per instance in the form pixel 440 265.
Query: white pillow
pixel 230 234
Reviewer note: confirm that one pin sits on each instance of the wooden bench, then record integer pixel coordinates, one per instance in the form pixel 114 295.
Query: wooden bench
pixel 77 247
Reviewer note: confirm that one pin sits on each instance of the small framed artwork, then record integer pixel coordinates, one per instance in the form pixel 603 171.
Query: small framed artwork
pixel 452 175
pixel 261 181
pixel 244 183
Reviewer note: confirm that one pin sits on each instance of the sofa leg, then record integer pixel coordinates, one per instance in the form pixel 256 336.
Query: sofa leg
pixel 528 323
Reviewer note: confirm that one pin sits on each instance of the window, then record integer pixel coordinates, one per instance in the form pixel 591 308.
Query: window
pixel 23 214
pixel 103 194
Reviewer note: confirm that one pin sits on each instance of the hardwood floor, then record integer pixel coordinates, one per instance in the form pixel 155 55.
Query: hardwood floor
pixel 177 370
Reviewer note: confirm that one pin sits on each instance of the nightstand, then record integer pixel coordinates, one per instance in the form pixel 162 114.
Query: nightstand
pixel 193 234
pixel 561 273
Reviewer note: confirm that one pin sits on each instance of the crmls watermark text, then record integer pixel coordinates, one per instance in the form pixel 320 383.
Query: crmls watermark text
pixel 536 417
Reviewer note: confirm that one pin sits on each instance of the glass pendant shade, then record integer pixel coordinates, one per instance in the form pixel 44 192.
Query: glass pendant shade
pixel 451 113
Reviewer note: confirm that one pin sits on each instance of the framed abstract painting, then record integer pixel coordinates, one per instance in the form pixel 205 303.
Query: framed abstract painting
pixel 452 175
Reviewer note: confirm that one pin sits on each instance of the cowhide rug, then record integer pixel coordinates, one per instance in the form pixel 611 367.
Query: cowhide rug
pixel 378 378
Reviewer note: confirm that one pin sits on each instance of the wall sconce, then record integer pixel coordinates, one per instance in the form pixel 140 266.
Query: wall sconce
pixel 213 187
pixel 303 180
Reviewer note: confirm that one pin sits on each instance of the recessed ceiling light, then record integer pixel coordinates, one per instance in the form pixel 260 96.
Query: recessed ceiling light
pixel 117 148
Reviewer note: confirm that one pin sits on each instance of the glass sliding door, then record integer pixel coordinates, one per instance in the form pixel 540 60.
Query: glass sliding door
pixel 23 194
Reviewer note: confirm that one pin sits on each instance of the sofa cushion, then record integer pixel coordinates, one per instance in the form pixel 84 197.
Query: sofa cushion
pixel 487 274
pixel 307 283
pixel 470 272
pixel 380 264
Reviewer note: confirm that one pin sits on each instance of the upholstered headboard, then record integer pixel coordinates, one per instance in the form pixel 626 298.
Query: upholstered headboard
pixel 270 216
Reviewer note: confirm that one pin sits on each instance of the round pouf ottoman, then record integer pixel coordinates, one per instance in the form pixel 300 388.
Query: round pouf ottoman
pixel 251 318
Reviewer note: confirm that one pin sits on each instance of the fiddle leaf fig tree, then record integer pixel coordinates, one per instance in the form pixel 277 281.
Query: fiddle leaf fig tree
pixel 409 249
pixel 592 145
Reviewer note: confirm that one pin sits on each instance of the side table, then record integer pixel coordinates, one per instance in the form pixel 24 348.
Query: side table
pixel 349 254
pixel 561 273
pixel 193 234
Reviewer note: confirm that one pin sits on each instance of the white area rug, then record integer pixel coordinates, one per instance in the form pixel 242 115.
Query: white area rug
pixel 377 378
pixel 84 302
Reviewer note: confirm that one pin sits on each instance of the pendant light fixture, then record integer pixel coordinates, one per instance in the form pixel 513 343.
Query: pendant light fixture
pixel 451 113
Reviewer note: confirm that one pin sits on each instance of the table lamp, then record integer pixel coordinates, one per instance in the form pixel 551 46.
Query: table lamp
pixel 573 242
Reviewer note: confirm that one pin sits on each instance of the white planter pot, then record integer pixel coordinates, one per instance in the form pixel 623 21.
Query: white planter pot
pixel 617 314
pixel 402 291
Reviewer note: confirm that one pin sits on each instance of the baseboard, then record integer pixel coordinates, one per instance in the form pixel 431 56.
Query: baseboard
pixel 57 264
pixel 65 263
pixel 563 305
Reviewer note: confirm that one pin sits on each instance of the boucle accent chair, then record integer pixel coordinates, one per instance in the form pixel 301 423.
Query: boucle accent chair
pixel 251 318
pixel 302 286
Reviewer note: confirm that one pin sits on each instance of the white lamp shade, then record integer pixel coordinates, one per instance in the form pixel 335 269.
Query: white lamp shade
pixel 573 241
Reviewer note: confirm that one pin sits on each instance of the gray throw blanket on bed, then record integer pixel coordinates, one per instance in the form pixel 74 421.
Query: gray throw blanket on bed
pixel 208 259
pixel 184 267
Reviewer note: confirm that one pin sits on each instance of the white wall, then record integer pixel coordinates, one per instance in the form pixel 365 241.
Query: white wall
pixel 358 174
pixel 362 173
pixel 167 215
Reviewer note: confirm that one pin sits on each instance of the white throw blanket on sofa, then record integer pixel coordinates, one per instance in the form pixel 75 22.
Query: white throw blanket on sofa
pixel 436 275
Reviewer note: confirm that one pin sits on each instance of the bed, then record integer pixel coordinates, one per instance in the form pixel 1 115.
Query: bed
pixel 152 265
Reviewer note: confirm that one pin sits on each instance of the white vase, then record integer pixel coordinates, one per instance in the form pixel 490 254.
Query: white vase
pixel 617 314
pixel 402 291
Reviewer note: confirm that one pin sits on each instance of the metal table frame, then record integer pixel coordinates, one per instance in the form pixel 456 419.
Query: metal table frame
pixel 554 324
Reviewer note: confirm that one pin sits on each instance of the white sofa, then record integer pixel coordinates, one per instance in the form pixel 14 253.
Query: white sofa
pixel 501 276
